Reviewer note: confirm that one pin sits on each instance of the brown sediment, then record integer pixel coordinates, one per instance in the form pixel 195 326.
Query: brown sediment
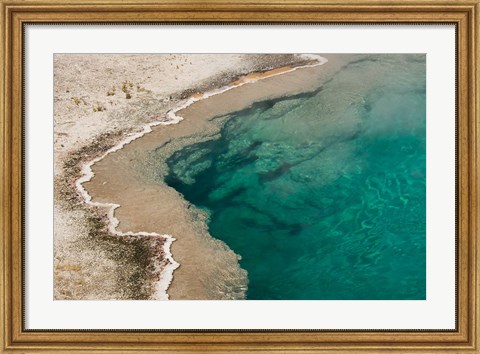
pixel 133 262
pixel 131 178
pixel 259 75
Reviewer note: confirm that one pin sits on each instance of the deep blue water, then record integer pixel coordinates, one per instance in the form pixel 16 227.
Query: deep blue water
pixel 322 194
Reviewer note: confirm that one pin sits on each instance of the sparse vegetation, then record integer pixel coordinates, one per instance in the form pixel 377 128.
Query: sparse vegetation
pixel 126 86
pixel 98 107
pixel 111 92
pixel 76 100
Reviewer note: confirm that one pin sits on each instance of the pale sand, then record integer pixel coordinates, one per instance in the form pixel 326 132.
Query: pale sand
pixel 131 178
pixel 88 262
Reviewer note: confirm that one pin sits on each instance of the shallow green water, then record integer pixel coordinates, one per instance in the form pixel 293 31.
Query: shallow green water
pixel 323 194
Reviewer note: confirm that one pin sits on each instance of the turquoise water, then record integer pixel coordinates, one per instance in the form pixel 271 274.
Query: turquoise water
pixel 322 194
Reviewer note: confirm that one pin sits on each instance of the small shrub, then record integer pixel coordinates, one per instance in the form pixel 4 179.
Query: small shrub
pixel 98 107
pixel 76 101
pixel 126 86
pixel 111 92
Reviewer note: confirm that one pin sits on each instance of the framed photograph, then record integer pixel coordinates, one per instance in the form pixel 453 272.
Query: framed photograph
pixel 217 176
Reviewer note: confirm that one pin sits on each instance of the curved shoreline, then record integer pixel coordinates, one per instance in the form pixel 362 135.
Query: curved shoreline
pixel 87 173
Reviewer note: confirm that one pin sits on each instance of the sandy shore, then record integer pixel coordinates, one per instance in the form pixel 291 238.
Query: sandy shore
pixel 132 178
pixel 98 101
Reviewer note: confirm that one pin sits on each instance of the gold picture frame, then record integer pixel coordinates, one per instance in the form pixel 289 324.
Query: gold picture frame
pixel 464 14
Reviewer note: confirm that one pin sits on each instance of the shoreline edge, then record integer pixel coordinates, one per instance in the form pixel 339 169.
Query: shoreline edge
pixel 166 274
